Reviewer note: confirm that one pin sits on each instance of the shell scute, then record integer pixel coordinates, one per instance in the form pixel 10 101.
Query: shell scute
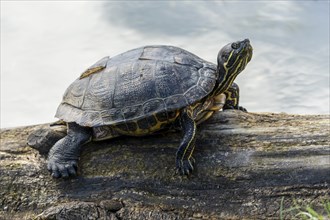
pixel 205 82
pixel 110 115
pixel 92 118
pixel 97 67
pixel 132 111
pixel 194 94
pixel 153 106
pixel 184 60
pixel 175 101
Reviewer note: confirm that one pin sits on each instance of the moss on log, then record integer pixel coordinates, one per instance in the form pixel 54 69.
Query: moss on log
pixel 246 164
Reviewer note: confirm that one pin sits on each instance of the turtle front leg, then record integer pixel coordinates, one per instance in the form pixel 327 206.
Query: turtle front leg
pixel 184 159
pixel 63 156
pixel 232 98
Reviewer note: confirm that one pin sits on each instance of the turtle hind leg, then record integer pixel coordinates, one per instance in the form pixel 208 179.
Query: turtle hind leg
pixel 63 156
pixel 43 139
pixel 232 98
pixel 184 159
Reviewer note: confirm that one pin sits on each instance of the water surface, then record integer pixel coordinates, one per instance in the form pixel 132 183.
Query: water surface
pixel 47 45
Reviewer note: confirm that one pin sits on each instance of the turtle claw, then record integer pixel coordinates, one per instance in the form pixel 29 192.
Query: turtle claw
pixel 241 108
pixel 72 170
pixel 185 167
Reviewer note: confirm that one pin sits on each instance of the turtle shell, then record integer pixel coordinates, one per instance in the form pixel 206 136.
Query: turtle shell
pixel 137 84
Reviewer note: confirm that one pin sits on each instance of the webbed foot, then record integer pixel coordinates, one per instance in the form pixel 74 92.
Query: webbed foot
pixel 62 168
pixel 64 155
pixel 63 158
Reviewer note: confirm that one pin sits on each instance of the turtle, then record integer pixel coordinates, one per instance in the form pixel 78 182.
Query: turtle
pixel 144 91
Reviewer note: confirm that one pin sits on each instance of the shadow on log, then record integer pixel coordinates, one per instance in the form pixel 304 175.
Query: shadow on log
pixel 246 164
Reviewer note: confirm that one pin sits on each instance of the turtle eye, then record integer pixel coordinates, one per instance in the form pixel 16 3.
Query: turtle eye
pixel 235 45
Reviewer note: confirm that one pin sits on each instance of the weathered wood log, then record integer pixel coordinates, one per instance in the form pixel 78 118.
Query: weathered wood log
pixel 246 164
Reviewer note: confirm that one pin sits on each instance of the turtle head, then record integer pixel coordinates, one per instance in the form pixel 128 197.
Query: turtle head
pixel 232 59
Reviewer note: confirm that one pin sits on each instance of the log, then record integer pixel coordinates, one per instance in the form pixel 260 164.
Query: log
pixel 248 166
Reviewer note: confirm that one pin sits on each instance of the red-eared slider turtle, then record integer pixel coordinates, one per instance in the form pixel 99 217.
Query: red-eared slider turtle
pixel 145 90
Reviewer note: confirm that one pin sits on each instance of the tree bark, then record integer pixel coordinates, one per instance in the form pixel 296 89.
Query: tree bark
pixel 247 164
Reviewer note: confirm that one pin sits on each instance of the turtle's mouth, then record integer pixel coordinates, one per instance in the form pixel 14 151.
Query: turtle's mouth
pixel 247 50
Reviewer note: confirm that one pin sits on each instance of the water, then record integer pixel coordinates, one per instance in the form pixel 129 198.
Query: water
pixel 47 45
